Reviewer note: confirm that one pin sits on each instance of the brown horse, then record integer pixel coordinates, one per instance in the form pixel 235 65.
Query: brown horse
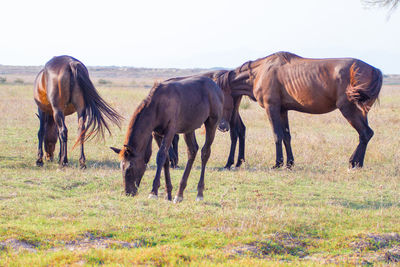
pixel 237 129
pixel 174 106
pixel 284 81
pixel 61 88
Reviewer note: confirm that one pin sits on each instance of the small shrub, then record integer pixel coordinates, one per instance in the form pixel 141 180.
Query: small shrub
pixel 3 79
pixel 104 82
pixel 245 103
pixel 19 81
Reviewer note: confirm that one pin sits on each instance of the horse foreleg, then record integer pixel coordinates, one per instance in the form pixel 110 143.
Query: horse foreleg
pixel 192 148
pixel 63 134
pixel 241 130
pixel 360 122
pixel 39 161
pixel 162 157
pixel 168 184
pixel 273 112
pixel 234 137
pixel 81 134
pixel 211 127
pixel 286 139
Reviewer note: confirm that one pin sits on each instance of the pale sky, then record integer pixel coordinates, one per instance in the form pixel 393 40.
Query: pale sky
pixel 190 34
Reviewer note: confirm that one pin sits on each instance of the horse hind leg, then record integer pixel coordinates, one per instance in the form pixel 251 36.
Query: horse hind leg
pixel 173 152
pixel 63 134
pixel 360 122
pixel 81 134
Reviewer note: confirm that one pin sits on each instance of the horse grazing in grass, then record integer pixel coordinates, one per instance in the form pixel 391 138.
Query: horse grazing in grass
pixel 174 106
pixel 61 88
pixel 237 128
pixel 284 81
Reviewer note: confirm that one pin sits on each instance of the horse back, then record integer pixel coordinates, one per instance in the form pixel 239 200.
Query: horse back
pixel 313 85
pixel 189 102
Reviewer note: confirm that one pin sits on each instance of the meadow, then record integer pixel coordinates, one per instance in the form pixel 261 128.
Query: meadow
pixel 317 213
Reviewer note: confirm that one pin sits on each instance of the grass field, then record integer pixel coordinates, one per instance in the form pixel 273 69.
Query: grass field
pixel 317 213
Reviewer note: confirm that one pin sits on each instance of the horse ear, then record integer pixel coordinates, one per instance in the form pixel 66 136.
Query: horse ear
pixel 116 150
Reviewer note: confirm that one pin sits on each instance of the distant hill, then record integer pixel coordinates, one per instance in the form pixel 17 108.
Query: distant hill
pixel 125 75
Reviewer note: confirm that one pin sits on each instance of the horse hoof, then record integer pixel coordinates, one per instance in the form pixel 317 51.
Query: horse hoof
pixel 178 199
pixel 83 166
pixel 290 165
pixel 39 163
pixel 199 198
pixel 152 196
pixel 277 166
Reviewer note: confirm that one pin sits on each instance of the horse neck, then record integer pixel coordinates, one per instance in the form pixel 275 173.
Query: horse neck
pixel 140 129
pixel 242 81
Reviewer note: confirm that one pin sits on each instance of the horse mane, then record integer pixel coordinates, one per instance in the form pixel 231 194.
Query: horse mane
pixel 285 57
pixel 145 103
pixel 281 56
pixel 222 80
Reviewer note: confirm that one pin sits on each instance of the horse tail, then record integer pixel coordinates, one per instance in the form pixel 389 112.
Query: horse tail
pixel 97 110
pixel 364 94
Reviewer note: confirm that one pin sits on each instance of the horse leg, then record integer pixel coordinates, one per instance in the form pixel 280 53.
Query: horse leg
pixel 81 134
pixel 39 161
pixel 173 152
pixel 241 130
pixel 273 112
pixel 211 127
pixel 63 134
pixel 192 148
pixel 360 122
pixel 168 184
pixel 286 139
pixel 234 137
pixel 162 156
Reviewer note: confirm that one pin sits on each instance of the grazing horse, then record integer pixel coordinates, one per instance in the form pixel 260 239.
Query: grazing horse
pixel 284 81
pixel 174 106
pixel 237 128
pixel 61 88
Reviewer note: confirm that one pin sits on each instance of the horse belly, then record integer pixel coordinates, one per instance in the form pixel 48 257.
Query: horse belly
pixel 192 119
pixel 308 100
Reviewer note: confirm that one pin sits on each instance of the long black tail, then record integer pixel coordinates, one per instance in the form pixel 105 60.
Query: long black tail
pixel 96 108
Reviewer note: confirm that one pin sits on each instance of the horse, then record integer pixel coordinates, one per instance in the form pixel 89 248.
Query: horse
pixel 62 88
pixel 284 81
pixel 178 105
pixel 237 129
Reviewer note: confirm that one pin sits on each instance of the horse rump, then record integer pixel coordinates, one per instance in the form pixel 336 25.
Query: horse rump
pixel 361 90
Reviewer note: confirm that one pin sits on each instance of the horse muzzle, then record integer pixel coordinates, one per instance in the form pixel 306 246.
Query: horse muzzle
pixel 223 126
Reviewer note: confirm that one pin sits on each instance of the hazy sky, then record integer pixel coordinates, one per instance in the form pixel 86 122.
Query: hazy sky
pixel 202 33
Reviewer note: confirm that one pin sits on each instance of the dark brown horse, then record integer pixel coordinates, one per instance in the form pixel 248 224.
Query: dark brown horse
pixel 237 128
pixel 63 87
pixel 284 81
pixel 175 106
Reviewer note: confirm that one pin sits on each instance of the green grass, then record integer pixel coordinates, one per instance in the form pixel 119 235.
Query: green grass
pixel 310 215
